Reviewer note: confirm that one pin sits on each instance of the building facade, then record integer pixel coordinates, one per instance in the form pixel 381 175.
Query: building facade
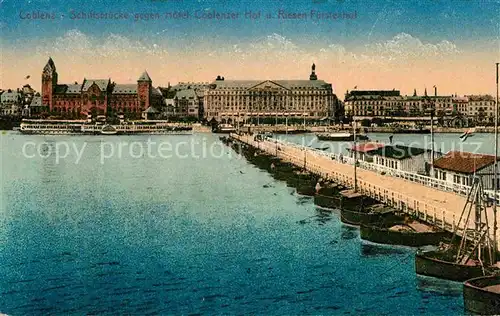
pixel 243 100
pixel 398 157
pixel 97 96
pixel 390 103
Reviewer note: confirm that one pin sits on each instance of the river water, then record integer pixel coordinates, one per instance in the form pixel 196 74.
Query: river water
pixel 195 232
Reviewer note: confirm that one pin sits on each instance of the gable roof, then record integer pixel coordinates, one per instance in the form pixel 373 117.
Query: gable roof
pixel 187 93
pixel 151 110
pixel 464 162
pixel 36 101
pixel 101 83
pixel 367 147
pixel 399 152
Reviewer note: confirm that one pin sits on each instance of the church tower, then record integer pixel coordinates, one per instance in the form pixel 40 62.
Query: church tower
pixel 49 83
pixel 144 85
pixel 313 73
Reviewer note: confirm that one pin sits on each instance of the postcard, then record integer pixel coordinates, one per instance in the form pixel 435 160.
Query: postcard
pixel 270 157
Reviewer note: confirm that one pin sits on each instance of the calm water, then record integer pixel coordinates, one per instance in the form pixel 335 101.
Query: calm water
pixel 191 235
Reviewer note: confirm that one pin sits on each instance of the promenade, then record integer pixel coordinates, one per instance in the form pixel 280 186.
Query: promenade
pixel 428 204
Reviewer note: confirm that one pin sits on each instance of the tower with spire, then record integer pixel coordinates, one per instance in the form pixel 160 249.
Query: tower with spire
pixel 144 87
pixel 313 75
pixel 49 83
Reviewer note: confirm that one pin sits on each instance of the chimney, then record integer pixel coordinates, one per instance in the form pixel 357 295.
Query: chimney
pixel 435 91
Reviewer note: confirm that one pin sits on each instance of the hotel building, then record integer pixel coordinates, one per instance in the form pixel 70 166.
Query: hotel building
pixel 240 100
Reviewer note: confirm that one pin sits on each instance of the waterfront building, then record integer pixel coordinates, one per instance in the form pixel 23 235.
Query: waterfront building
pixel 364 151
pixel 186 103
pixel 97 96
pixel 459 168
pixel 36 107
pixel 11 103
pixel 374 103
pixel 399 157
pixel 245 100
pixel 481 108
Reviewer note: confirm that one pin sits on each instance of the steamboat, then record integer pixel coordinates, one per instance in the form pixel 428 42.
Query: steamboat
pixel 73 127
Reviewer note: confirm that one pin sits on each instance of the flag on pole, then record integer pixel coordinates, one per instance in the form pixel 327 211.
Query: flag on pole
pixel 467 134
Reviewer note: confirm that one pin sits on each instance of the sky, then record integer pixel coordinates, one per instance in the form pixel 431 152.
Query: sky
pixel 368 44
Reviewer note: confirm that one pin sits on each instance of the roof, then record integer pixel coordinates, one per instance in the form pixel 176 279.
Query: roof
pixel 36 101
pixel 480 97
pixel 10 96
pixel 144 77
pixel 156 91
pixel 151 110
pixel 290 84
pixel 74 88
pixel 125 89
pixel 101 83
pixel 190 85
pixel 367 147
pixel 399 152
pixel 385 93
pixel 464 162
pixel 187 93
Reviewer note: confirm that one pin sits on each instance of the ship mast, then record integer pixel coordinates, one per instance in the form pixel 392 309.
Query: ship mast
pixel 495 176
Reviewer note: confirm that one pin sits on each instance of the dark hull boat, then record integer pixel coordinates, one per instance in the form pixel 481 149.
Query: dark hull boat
pixel 394 233
pixel 411 131
pixel 482 295
pixel 291 131
pixel 365 211
pixel 328 197
pixel 340 137
pixel 441 265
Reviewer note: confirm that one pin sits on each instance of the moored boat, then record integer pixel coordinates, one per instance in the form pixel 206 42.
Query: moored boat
pixel 225 128
pixel 398 231
pixel 364 211
pixel 340 136
pixel 441 264
pixel 108 130
pixel 482 295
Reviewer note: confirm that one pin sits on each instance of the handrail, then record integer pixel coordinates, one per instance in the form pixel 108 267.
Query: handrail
pixel 439 216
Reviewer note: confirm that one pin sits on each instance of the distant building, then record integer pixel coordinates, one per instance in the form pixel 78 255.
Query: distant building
pixel 11 103
pixel 459 168
pixel 186 103
pixel 97 96
pixel 398 157
pixel 240 100
pixel 374 103
pixel 36 107
pixel 481 108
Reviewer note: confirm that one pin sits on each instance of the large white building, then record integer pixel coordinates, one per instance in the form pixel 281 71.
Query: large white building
pixel 241 100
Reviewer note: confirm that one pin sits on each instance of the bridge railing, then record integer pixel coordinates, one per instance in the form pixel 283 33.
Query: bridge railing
pixel 439 184
pixel 425 211
pixel 439 216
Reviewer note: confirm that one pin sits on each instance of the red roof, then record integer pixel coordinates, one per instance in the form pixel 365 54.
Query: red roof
pixel 367 147
pixel 464 162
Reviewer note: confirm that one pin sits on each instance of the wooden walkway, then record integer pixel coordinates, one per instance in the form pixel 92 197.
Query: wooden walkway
pixel 440 208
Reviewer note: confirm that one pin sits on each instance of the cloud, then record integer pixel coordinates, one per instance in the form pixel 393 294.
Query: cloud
pixel 78 44
pixel 404 46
